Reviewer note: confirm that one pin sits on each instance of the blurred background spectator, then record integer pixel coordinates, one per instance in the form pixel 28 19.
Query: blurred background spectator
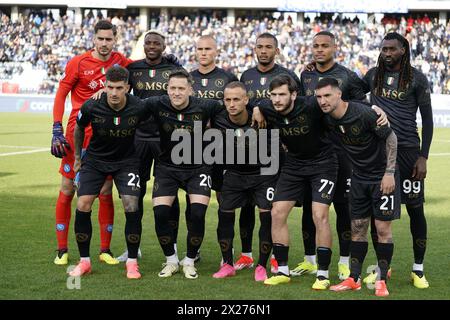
pixel 47 44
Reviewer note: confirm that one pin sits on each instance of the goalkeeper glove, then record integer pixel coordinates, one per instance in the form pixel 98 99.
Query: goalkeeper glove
pixel 59 142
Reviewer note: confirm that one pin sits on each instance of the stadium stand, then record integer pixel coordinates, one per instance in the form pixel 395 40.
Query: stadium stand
pixel 39 42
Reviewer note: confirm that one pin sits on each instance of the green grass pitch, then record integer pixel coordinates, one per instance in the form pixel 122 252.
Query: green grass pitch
pixel 29 184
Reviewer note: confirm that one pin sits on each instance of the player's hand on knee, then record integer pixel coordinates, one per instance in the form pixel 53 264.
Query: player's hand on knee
pixel 387 184
pixel 59 142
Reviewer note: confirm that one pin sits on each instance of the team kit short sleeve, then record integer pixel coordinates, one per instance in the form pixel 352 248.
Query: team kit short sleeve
pixel 149 81
pixel 113 131
pixel 257 83
pixel 351 85
pixel 311 161
pixel 212 84
pixel 169 119
pixel 400 105
pixel 363 141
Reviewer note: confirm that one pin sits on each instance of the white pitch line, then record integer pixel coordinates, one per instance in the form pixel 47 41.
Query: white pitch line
pixel 19 147
pixel 440 154
pixel 23 152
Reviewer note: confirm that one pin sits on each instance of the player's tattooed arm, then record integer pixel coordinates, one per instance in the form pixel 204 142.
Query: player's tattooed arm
pixel 388 182
pixel 78 141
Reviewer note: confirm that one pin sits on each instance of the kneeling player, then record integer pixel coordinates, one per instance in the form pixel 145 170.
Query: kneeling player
pixel 114 119
pixel 373 151
pixel 243 182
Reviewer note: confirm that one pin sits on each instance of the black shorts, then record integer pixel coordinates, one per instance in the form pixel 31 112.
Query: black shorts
pixel 125 175
pixel 217 177
pixel 366 199
pixel 147 151
pixel 412 191
pixel 292 185
pixel 344 176
pixel 169 179
pixel 240 190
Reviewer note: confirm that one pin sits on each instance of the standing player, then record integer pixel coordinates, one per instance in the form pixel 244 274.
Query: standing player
pixel 177 112
pixel 209 82
pixel 114 119
pixel 243 182
pixel 257 80
pixel 399 89
pixel 352 87
pixel 181 165
pixel 373 151
pixel 84 76
pixel 310 160
pixel 148 78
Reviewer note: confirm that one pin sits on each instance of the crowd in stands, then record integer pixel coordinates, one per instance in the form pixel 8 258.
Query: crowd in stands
pixel 48 44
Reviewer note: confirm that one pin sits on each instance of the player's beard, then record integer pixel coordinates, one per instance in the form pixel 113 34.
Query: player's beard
pixel 393 63
pixel 285 107
pixel 104 52
pixel 325 62
pixel 266 63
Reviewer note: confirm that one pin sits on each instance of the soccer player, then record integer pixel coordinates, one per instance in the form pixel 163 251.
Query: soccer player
pixel 209 82
pixel 352 87
pixel 257 80
pixel 373 151
pixel 148 78
pixel 242 182
pixel 400 89
pixel 310 160
pixel 84 76
pixel 177 113
pixel 180 165
pixel 114 119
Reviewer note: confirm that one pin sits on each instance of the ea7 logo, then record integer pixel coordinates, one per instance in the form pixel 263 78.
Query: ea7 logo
pixel 88 72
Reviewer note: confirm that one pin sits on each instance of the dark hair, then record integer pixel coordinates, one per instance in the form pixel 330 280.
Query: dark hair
pixel 281 80
pixel 117 73
pixel 406 72
pixel 236 84
pixel 181 73
pixel 324 82
pixel 326 33
pixel 105 25
pixel 269 36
